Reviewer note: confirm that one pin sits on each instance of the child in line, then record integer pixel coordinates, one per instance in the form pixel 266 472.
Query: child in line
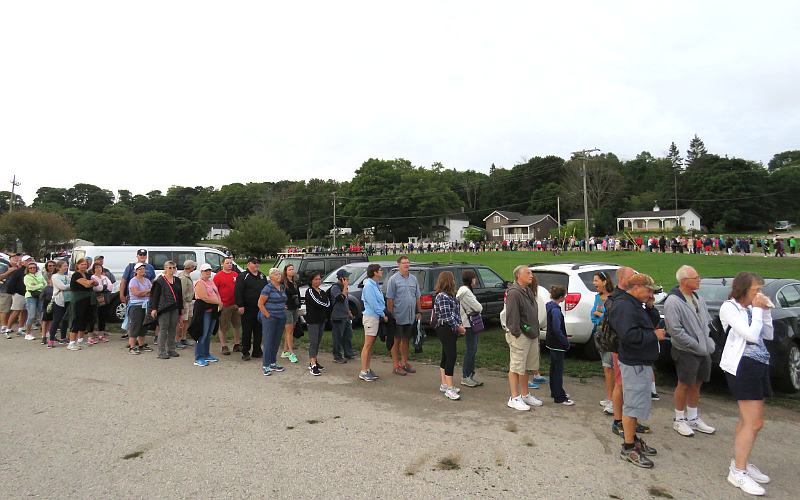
pixel 558 344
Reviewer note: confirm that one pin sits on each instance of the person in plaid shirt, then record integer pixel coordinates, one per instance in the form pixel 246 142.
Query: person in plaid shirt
pixel 448 326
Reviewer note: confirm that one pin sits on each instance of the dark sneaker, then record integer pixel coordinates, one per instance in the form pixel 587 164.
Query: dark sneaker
pixel 642 429
pixel 245 356
pixel 134 351
pixel 124 336
pixel 315 370
pixel 258 354
pixel 643 448
pixel 400 371
pixel 321 368
pixel 654 396
pixel 163 356
pixel 146 348
pixel 237 347
pixel 636 458
pixel 174 355
pixel 616 428
pixel 409 369
pixel 226 351
pixel 339 361
pixel 180 345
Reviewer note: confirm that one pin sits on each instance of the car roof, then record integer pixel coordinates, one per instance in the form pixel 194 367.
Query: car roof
pixel 426 265
pixel 382 263
pixel 573 266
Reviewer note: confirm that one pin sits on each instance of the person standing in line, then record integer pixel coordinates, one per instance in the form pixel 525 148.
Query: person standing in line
pixel 341 317
pixel 187 289
pixel 292 314
pixel 34 286
pixel 403 294
pixel 229 316
pixel 522 322
pixel 102 290
pixel 558 344
pixel 166 306
pixel 747 318
pixel 46 299
pixel 374 312
pixel 205 318
pixel 6 295
pixel 15 285
pixel 317 304
pixel 603 284
pixel 139 287
pixel 62 298
pixel 128 273
pixel 446 311
pixel 687 318
pixel 469 306
pixel 248 291
pixel 272 313
pixel 80 285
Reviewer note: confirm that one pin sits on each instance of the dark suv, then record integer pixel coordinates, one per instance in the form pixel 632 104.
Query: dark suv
pixel 490 290
pixel 325 262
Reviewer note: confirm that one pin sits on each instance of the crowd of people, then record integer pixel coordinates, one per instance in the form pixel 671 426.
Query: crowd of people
pixel 262 312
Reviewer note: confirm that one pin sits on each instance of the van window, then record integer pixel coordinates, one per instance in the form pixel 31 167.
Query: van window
pixel 314 265
pixel 588 276
pixel 157 258
pixel 546 279
pixel 76 254
pixel 181 257
pixel 295 261
pixel 215 260
pixel 334 264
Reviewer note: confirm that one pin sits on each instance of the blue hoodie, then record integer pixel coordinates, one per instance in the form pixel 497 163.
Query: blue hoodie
pixel 556 329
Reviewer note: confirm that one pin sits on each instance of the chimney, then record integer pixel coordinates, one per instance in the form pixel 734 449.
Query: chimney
pixel 655 208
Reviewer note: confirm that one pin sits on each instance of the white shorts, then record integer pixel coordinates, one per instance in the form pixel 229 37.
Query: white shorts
pixel 371 325
pixel 18 302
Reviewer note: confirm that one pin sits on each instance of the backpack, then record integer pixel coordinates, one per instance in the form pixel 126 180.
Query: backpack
pixel 608 338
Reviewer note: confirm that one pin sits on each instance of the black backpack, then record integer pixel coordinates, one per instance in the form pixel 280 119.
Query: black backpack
pixel 608 338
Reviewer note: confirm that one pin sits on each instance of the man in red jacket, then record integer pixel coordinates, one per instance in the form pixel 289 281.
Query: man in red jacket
pixel 229 316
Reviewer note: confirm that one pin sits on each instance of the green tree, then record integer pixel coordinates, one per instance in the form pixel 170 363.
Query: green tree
pixel 5 198
pixel 50 196
pixel 256 236
pixel 475 234
pixel 697 149
pixel 784 159
pixel 38 231
pixel 89 197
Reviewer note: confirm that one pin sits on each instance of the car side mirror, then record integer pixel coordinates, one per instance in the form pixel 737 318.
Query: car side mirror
pixel 361 285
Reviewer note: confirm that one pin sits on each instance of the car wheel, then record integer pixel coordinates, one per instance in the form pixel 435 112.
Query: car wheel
pixel 118 309
pixel 790 381
pixel 590 349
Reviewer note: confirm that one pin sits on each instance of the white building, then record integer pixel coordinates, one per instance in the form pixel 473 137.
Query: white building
pixel 449 228
pixel 218 231
pixel 659 220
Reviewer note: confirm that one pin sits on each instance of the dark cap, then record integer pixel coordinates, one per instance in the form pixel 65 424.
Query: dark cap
pixel 141 251
pixel 99 257
pixel 642 280
pixel 342 273
pixel 254 260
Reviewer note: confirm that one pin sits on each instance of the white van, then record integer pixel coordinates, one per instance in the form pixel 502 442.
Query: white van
pixel 117 259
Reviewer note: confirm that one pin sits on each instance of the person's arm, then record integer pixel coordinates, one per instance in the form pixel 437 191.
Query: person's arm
pixel 560 334
pixel 391 290
pixel 123 283
pixel 155 296
pixel 200 292
pixel 262 299
pixel 238 292
pixel 631 331
pixel 729 315
pixel 512 314
pixel 680 338
pixel 471 303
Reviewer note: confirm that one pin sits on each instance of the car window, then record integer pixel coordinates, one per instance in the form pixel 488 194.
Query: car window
pixel 490 278
pixel 215 260
pixel 789 296
pixel 314 266
pixel 352 272
pixel 157 258
pixel 181 257
pixel 546 279
pixel 295 261
pixel 714 292
pixel 333 264
pixel 588 276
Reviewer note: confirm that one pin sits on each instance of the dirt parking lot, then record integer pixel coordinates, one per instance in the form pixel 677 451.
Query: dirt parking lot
pixel 102 424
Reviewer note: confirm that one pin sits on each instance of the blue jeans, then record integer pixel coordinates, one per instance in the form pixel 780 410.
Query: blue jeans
pixel 557 376
pixel 342 338
pixel 32 306
pixel 203 346
pixel 468 368
pixel 272 334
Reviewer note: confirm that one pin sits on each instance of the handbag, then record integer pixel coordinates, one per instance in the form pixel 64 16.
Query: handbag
pixel 476 323
pixel 35 294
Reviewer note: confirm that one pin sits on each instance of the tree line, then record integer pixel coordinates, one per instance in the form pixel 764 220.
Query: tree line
pixel 397 199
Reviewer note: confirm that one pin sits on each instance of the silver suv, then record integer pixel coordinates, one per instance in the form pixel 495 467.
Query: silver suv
pixel 576 278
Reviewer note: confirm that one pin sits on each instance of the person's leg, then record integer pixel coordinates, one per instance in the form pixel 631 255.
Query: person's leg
pixel 314 338
pixel 101 318
pixel 164 332
pixel 258 337
pixel 347 340
pixel 224 326
pixel 265 329
pixel 288 336
pixel 366 352
pixel 199 355
pixel 751 421
pixel 135 318
pixel 616 396
pixel 172 330
pixel 31 305
pixel 404 350
pixel 337 330
pixel 58 315
pixel 249 326
pixel 681 391
pixel 236 322
pixel 608 375
pixel 513 383
pixel 279 325
pixel 449 348
pixel 468 367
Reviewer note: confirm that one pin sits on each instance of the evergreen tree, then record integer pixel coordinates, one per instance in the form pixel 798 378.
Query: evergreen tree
pixel 696 149
pixel 674 156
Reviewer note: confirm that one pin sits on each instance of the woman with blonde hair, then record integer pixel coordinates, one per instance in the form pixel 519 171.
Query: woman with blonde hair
pixel 447 321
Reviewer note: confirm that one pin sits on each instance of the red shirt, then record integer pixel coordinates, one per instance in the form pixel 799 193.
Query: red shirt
pixel 226 283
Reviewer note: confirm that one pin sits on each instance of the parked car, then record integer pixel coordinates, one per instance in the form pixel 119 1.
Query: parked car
pixel 783 225
pixel 784 348
pixel 325 262
pixel 490 290
pixel 576 278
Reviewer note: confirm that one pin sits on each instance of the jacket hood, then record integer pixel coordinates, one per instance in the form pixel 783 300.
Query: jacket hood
pixel 677 293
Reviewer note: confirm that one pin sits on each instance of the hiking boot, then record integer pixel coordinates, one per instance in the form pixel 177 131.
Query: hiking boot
pixel 644 448
pixel 636 458
pixel 226 351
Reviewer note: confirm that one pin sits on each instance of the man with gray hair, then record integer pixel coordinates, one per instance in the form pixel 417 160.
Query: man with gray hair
pixel 522 325
pixel 687 322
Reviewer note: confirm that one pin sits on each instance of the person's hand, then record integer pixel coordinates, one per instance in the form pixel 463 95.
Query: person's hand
pixel 153 314
pixel 241 310
pixel 461 330
pixel 123 298
pixel 661 333
pixel 265 313
pixel 385 318
pixel 598 313
pixel 761 301
pixel 419 316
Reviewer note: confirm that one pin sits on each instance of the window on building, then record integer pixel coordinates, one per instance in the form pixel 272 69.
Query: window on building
pixel 496 219
pixel 495 232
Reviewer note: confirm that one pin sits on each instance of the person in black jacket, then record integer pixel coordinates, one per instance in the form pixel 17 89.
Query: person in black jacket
pixel 246 293
pixel 317 305
pixel 558 344
pixel 166 305
pixel 638 349
pixel 15 286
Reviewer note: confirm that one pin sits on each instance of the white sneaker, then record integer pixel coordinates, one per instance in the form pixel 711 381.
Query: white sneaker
pixel 443 388
pixel 20 331
pixel 8 335
pixel 452 394
pixel 568 402
pixel 28 336
pixel 682 428
pixel 605 402
pixel 530 400
pixel 744 482
pixel 609 408
pixel 81 340
pixel 700 426
pixel 72 346
pixel 754 473
pixel 4 329
pixel 517 404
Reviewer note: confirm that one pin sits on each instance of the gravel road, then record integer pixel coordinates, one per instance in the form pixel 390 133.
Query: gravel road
pixel 102 424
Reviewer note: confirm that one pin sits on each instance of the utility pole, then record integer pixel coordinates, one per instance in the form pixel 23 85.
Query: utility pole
pixel 583 154
pixel 334 220
pixel 677 217
pixel 558 211
pixel 14 184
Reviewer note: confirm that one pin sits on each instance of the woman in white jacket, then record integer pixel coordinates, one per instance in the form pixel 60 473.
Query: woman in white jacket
pixel 469 306
pixel 747 319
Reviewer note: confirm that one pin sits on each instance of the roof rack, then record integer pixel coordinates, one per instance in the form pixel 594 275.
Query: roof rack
pixel 332 252
pixel 585 264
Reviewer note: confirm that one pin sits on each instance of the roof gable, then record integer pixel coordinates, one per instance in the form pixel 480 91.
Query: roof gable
pixel 509 216
pixel 657 214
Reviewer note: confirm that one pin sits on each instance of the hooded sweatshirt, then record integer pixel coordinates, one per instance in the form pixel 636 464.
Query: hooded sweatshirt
pixel 556 338
pixel 687 327
pixel 638 344
pixel 521 310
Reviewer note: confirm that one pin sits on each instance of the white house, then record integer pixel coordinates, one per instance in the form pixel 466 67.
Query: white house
pixel 449 228
pixel 659 220
pixel 218 231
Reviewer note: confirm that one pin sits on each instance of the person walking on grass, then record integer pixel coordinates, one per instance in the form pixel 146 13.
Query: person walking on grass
pixel 747 318
pixel 272 314
pixel 403 294
pixel 446 311
pixel 522 324
pixel 558 344
pixel 687 318
pixel 469 306
pixel 374 313
pixel 317 306
pixel 604 286
pixel 292 312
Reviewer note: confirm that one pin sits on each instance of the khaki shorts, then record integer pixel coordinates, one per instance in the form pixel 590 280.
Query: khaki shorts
pixel 18 302
pixel 371 325
pixel 5 303
pixel 524 354
pixel 230 316
pixel 187 311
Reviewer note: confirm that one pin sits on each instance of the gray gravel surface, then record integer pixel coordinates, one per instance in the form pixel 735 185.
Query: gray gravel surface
pixel 102 424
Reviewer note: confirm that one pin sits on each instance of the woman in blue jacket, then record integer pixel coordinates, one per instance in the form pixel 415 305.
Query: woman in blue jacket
pixel 604 286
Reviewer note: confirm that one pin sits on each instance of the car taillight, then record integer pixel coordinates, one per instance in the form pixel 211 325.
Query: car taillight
pixel 571 301
pixel 426 302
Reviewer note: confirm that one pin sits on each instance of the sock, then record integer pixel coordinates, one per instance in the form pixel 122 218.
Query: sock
pixel 691 413
pixel 653 390
pixel 679 415
pixel 628 446
pixel 617 422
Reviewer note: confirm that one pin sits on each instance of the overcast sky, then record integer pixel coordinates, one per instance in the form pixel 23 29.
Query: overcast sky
pixel 143 95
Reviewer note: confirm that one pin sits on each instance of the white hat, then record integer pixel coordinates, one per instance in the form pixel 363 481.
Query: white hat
pixel 26 257
pixel 205 267
pixel 138 265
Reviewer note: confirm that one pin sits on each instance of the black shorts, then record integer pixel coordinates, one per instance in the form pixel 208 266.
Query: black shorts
pixel 691 368
pixel 751 382
pixel 404 331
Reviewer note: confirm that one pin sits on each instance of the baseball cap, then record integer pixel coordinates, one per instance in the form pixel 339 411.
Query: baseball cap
pixel 138 265
pixel 642 280
pixel 254 260
pixel 205 267
pixel 189 263
pixel 141 251
pixel 342 273
pixel 26 257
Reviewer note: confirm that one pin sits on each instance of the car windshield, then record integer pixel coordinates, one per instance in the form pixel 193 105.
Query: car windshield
pixel 353 272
